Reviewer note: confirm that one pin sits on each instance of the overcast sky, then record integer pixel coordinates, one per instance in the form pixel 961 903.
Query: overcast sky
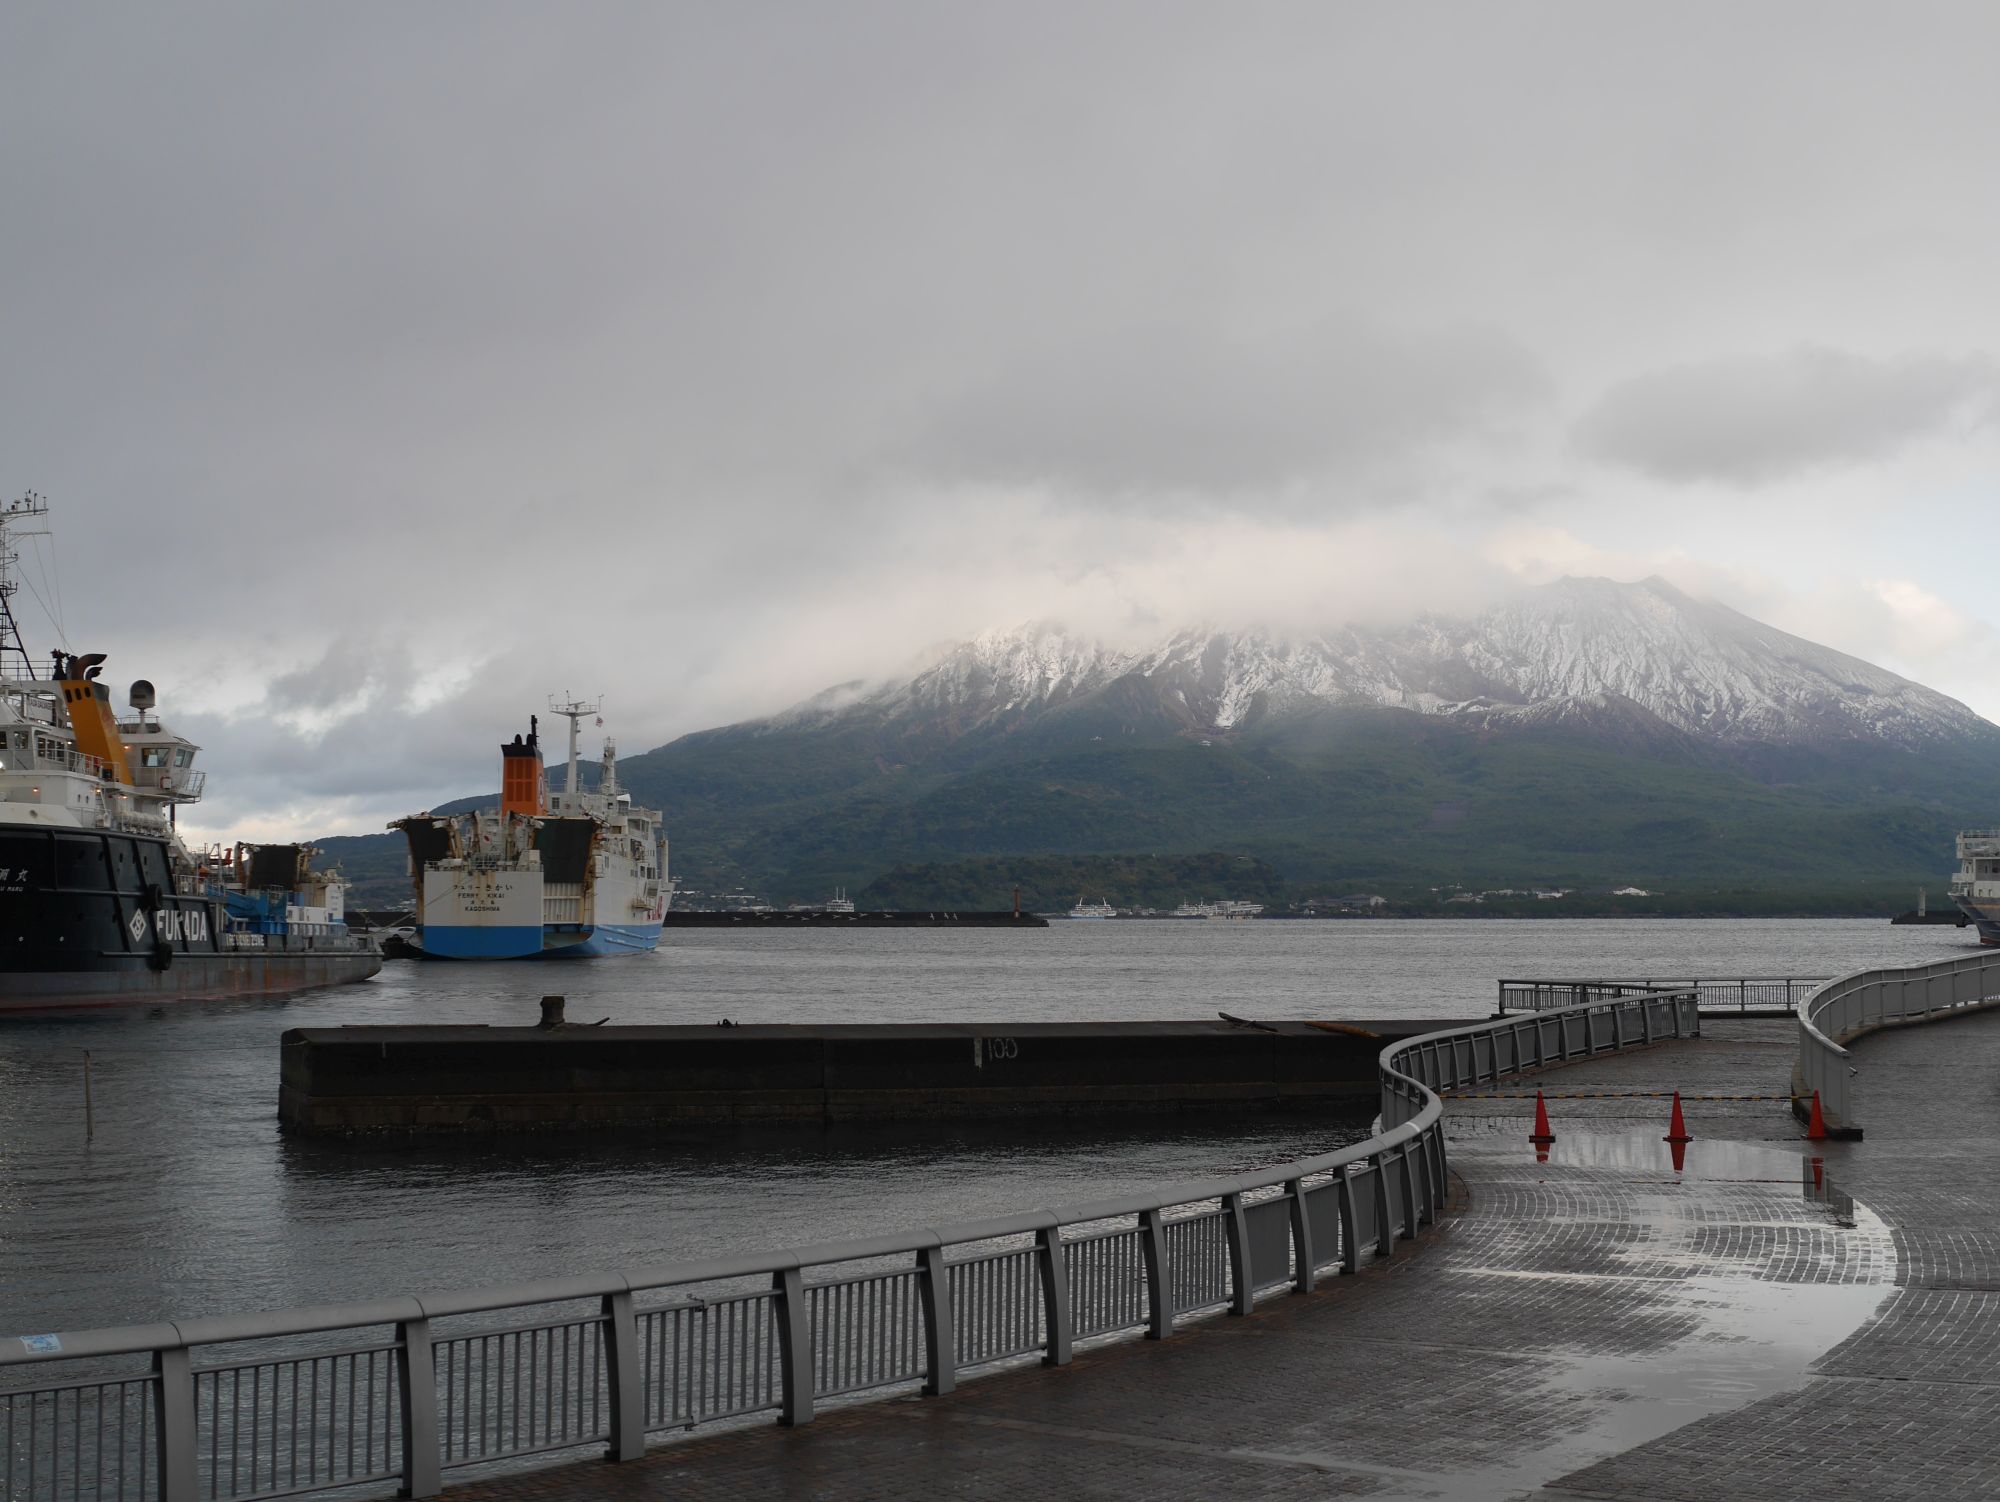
pixel 389 367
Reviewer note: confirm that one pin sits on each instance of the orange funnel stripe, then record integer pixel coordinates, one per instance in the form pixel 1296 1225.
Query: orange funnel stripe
pixel 524 787
pixel 88 704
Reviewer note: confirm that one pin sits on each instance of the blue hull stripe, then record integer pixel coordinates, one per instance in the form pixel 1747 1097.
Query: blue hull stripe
pixel 464 942
pixel 529 943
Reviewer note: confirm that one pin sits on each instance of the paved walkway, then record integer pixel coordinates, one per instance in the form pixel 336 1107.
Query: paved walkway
pixel 1595 1326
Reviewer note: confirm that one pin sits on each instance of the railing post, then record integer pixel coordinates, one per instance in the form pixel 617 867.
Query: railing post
pixel 1236 1228
pixel 1646 1020
pixel 1350 1227
pixel 622 1377
pixel 1055 1293
pixel 174 1423
pixel 418 1399
pixel 1436 1139
pixel 1302 1237
pixel 940 1338
pixel 1159 1303
pixel 795 1355
pixel 1413 1214
pixel 1385 1233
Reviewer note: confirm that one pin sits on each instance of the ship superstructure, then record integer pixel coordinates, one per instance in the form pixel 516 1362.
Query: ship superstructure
pixel 100 898
pixel 546 875
pixel 1975 886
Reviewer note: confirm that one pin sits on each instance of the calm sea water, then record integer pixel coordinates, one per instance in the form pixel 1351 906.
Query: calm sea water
pixel 190 1202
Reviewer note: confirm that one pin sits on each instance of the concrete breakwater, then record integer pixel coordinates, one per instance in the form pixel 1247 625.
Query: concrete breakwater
pixel 826 918
pixel 441 1080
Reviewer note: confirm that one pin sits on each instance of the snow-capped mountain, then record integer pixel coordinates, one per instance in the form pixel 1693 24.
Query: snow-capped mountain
pixel 1567 652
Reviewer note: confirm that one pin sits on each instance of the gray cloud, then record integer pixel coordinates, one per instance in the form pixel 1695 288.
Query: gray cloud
pixel 1766 418
pixel 703 343
pixel 1193 409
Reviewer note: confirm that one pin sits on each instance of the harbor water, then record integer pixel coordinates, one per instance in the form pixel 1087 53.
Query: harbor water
pixel 188 1201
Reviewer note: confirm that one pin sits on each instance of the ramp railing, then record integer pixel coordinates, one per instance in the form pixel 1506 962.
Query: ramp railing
pixel 405 1390
pixel 1719 996
pixel 1844 1008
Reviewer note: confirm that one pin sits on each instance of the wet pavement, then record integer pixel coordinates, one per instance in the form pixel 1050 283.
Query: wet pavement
pixel 1595 1325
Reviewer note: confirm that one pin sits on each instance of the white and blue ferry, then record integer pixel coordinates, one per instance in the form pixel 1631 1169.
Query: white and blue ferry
pixel 566 875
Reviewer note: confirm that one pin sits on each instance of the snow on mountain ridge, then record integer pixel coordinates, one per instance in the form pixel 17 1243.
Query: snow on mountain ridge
pixel 1579 644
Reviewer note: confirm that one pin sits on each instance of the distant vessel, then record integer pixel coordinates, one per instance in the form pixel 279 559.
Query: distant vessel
pixel 1234 909
pixel 1975 887
pixel 1098 909
pixel 101 900
pixel 566 875
pixel 839 902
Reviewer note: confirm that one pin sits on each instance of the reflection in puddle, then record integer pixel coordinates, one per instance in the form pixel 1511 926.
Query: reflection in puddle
pixel 1753 1326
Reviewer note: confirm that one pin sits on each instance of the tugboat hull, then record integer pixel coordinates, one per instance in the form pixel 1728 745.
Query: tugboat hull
pixel 95 920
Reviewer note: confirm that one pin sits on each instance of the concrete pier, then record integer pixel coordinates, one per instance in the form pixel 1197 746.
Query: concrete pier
pixel 1593 1326
pixel 493 1079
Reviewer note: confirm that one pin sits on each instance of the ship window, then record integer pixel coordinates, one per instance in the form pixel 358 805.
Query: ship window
pixel 153 756
pixel 182 756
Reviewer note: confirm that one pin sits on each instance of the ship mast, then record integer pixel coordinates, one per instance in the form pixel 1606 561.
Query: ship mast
pixel 573 710
pixel 14 659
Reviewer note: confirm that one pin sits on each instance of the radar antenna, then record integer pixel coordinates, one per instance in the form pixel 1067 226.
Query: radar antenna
pixel 572 710
pixel 14 659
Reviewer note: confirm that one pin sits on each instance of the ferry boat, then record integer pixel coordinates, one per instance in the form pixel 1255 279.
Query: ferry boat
pixel 1975 886
pixel 101 901
pixel 567 875
pixel 1098 909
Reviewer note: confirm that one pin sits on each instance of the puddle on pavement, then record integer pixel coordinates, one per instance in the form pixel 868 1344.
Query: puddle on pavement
pixel 1648 1152
pixel 1753 1338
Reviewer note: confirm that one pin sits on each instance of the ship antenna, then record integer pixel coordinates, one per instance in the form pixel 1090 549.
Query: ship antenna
pixel 572 710
pixel 13 651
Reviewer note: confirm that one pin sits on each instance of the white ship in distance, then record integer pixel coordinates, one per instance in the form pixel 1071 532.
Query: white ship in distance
pixel 567 875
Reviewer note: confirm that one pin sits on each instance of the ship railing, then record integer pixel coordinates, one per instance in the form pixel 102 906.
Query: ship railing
pixel 1843 1009
pixel 178 782
pixel 59 756
pixel 406 1390
pixel 1717 996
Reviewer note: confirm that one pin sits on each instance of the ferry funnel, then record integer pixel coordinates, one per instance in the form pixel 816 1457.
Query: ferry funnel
pixel 524 787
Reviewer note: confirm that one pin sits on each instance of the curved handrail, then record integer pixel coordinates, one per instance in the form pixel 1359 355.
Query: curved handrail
pixel 1308 1214
pixel 1850 1005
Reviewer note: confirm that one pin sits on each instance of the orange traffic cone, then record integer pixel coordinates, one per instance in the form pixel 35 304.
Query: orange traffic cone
pixel 1816 1128
pixel 1677 1130
pixel 1680 1152
pixel 1541 1136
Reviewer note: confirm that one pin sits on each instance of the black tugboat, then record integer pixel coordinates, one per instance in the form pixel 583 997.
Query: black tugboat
pixel 101 902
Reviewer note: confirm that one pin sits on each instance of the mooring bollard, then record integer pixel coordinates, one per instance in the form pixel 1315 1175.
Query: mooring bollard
pixel 552 1012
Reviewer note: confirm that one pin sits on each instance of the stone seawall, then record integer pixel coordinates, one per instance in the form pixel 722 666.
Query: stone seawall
pixel 339 1081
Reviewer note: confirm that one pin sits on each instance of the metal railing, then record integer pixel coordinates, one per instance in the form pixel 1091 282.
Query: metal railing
pixel 1719 996
pixel 1850 1005
pixel 405 1389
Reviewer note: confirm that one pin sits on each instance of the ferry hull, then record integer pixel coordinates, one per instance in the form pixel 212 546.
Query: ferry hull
pixel 567 942
pixel 1985 917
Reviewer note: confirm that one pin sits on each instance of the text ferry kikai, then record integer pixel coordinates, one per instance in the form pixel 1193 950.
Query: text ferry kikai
pixel 101 901
pixel 565 875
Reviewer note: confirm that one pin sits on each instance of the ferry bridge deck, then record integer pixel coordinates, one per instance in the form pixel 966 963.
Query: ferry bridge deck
pixel 1595 1326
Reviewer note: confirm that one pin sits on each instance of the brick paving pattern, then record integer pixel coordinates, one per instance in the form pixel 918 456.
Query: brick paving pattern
pixel 1532 1341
